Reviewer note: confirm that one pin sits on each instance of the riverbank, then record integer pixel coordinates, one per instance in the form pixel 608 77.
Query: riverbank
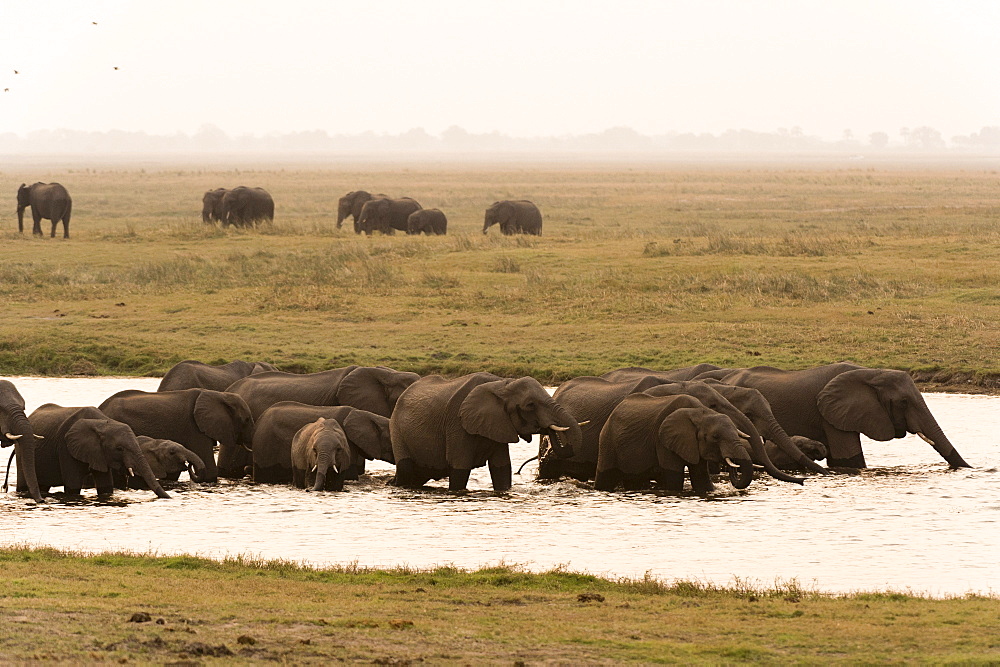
pixel 117 608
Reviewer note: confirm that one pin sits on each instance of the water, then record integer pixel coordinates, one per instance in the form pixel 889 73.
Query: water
pixel 907 523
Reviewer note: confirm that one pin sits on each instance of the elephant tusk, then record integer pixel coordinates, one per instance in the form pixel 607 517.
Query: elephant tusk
pixel 584 423
pixel 315 468
pixel 757 466
pixel 131 473
pixel 731 463
pixel 336 470
pixel 925 439
pixel 743 435
pixel 556 427
pixel 246 448
pixel 40 437
pixel 11 436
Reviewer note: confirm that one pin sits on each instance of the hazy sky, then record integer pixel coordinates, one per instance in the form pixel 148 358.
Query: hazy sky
pixel 521 67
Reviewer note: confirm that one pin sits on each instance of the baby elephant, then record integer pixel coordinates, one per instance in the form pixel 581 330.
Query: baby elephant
pixel 814 449
pixel 427 221
pixel 318 448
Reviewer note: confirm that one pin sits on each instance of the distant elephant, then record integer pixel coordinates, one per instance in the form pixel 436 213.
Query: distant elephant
pixel 386 215
pixel 47 200
pixel 367 434
pixel 446 427
pixel 653 438
pixel 16 430
pixel 371 388
pixel 211 205
pixel 812 449
pixel 636 372
pixel 427 221
pixel 83 447
pixel 318 448
pixel 592 400
pixel 195 418
pixel 190 374
pixel 351 205
pixel 514 217
pixel 835 404
pixel 167 459
pixel 246 207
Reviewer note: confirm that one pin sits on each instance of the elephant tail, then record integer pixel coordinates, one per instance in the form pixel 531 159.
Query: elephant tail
pixel 533 458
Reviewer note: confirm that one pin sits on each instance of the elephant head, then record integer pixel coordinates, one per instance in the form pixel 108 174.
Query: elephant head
pixel 369 432
pixel 812 449
pixel 23 202
pixel 697 435
pixel 106 444
pixel 374 388
pixel 16 430
pixel 225 417
pixel 883 404
pixel 374 217
pixel 211 209
pixel 322 446
pixel 500 213
pixel 351 204
pixel 167 459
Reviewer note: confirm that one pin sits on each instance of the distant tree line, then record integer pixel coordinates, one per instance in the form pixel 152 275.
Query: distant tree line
pixel 211 139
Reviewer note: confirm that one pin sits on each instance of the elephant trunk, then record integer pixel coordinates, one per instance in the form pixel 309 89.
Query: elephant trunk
pixel 24 450
pixel 196 467
pixel 322 465
pixel 779 437
pixel 139 464
pixel 20 219
pixel 935 437
pixel 564 432
pixel 741 473
pixel 759 452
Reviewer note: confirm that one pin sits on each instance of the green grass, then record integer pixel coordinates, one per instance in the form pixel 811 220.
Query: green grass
pixel 660 266
pixel 65 607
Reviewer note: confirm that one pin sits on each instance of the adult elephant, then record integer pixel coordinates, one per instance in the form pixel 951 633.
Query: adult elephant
pixel 211 205
pixel 654 438
pixel 351 205
pixel 636 372
pixel 167 459
pixel 367 434
pixel 83 447
pixel 427 221
pixel 372 388
pixel 514 217
pixel 246 207
pixel 16 430
pixel 835 404
pixel 47 200
pixel 386 215
pixel 190 374
pixel 593 399
pixel 446 427
pixel 319 449
pixel 197 419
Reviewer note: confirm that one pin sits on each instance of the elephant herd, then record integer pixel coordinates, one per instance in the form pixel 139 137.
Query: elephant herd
pixel 631 428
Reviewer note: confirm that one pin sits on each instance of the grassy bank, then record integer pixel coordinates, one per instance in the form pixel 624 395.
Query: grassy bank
pixel 117 608
pixel 658 266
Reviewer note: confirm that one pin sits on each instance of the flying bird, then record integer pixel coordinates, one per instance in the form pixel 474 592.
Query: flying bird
pixel 16 72
pixel 93 23
pixel 116 68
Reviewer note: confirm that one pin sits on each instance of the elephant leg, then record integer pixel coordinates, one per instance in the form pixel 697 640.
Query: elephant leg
pixel 356 469
pixel 844 449
pixel 299 478
pixel 458 478
pixel 606 480
pixel 37 227
pixel 701 480
pixel 409 475
pixel 671 480
pixel 500 469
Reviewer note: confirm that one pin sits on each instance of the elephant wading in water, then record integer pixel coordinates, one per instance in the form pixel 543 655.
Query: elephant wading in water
pixel 351 205
pixel 47 200
pixel 386 215
pixel 191 374
pixel 445 428
pixel 195 418
pixel 655 437
pixel 367 434
pixel 317 449
pixel 835 404
pixel 167 459
pixel 246 207
pixel 16 430
pixel 211 205
pixel 427 221
pixel 82 447
pixel 514 217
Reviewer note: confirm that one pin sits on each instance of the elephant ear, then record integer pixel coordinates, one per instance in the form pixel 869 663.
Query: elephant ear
pixel 84 443
pixel 850 403
pixel 213 414
pixel 678 439
pixel 365 388
pixel 363 433
pixel 484 413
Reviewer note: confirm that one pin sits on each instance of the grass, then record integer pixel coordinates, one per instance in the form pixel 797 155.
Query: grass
pixel 66 607
pixel 655 265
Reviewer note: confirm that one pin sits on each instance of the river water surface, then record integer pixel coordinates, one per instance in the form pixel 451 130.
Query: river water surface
pixel 906 523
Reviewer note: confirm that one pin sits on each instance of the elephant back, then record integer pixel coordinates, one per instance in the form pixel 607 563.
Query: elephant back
pixel 262 390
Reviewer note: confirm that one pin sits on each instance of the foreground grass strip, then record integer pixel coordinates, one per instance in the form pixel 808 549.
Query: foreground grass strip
pixel 111 608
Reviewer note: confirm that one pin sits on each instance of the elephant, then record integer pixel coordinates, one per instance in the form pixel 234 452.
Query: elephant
pixel 593 399
pixel 427 221
pixel 835 404
pixel 351 205
pixel 83 447
pixel 371 388
pixel 195 418
pixel 47 200
pixel 514 217
pixel 386 215
pixel 189 374
pixel 655 437
pixel 317 448
pixel 446 427
pixel 167 459
pixel 211 205
pixel 246 207
pixel 16 430
pixel 367 434
pixel 634 372
pixel 813 449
